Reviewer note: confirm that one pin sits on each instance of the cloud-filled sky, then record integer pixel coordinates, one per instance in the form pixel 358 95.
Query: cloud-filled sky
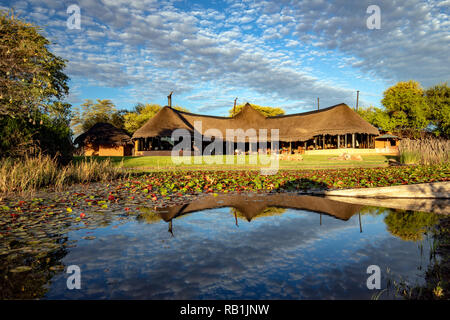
pixel 277 53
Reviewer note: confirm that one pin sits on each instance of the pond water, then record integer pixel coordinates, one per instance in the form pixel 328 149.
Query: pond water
pixel 223 247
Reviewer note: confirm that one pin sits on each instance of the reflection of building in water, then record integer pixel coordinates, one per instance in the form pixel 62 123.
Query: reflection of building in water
pixel 249 207
pixel 407 225
pixel 267 212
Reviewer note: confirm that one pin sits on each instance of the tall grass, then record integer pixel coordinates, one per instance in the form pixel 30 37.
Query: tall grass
pixel 425 151
pixel 32 173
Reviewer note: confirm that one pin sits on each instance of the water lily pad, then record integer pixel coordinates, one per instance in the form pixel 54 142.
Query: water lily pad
pixel 20 269
pixel 57 268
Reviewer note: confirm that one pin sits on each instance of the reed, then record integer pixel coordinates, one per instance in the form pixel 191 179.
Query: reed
pixel 425 151
pixel 32 173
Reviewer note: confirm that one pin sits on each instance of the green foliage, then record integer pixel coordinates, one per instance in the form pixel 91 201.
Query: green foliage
pixel 409 109
pixel 90 113
pixel 16 136
pixel 409 157
pixel 409 225
pixel 377 117
pixel 46 134
pixel 406 105
pixel 188 181
pixel 141 114
pixel 179 108
pixel 33 117
pixel 267 111
pixel 438 100
pixel 31 77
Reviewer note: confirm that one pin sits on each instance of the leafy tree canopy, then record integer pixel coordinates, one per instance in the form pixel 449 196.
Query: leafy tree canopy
pixel 267 111
pixel 409 225
pixel 141 114
pixel 90 113
pixel 31 77
pixel 406 105
pixel 33 115
pixel 377 117
pixel 438 100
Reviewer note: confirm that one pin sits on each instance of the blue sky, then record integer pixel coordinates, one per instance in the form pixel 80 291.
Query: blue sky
pixel 275 53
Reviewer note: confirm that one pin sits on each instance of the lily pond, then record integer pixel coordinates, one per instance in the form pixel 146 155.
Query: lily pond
pixel 217 246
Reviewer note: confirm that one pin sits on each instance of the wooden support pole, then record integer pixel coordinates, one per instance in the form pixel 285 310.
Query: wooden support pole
pixel 339 141
pixel 170 227
pixel 353 140
pixel 360 224
pixel 357 99
pixel 346 145
pixel 323 142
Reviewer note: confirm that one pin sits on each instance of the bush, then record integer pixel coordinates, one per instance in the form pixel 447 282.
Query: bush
pixel 21 138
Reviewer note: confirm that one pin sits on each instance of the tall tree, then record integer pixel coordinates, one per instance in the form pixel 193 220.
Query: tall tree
pixel 31 77
pixel 438 100
pixel 377 117
pixel 90 113
pixel 141 114
pixel 267 111
pixel 406 105
pixel 32 91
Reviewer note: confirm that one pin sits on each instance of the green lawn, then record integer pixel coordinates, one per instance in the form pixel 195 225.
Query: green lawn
pixel 309 162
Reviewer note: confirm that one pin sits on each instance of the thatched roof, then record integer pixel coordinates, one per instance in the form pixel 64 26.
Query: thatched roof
pixel 338 119
pixel 387 136
pixel 104 134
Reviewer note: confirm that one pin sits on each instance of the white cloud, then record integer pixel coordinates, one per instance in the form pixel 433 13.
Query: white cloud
pixel 156 47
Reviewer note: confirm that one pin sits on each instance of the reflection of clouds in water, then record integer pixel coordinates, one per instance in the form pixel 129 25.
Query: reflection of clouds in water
pixel 288 256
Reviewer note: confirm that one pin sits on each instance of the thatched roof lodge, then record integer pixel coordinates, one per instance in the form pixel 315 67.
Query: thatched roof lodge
pixel 334 127
pixel 103 139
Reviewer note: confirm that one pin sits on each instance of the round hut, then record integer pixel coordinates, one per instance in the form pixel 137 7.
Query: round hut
pixel 103 139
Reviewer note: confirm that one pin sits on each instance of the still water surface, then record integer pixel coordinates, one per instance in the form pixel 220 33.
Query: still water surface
pixel 252 247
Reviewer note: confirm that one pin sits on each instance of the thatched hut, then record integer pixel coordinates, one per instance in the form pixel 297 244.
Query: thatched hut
pixel 331 128
pixel 103 139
